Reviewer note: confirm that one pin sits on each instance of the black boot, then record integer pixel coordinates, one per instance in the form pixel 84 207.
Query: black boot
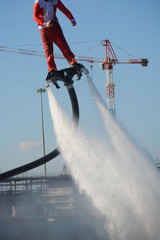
pixel 53 75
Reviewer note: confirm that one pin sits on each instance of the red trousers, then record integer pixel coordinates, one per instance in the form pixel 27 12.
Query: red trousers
pixel 54 35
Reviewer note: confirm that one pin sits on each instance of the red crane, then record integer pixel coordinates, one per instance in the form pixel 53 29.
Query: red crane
pixel 107 65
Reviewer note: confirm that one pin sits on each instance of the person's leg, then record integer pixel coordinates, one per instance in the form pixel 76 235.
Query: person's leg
pixel 48 47
pixel 62 44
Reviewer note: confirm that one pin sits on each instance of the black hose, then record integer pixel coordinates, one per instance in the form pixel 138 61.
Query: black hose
pixel 54 153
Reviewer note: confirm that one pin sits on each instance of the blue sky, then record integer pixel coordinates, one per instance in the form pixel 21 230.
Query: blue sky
pixel 133 30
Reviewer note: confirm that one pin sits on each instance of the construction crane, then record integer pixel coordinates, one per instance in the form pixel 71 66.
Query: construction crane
pixel 107 65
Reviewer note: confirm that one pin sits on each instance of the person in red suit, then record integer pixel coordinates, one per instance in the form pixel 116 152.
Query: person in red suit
pixel 44 13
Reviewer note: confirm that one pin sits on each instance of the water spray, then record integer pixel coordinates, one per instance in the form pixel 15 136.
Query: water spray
pixel 119 178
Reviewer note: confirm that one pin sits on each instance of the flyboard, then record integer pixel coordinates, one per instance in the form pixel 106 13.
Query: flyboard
pixel 66 76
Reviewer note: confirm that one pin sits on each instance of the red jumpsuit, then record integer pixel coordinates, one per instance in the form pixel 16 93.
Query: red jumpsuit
pixel 42 13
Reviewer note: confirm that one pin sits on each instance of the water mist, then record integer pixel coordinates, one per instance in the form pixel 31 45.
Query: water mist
pixel 118 177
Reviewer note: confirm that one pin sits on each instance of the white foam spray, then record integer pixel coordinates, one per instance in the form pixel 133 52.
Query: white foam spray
pixel 120 179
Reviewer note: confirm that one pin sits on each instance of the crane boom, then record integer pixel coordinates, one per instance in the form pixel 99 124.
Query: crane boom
pixel 41 54
pixel 142 61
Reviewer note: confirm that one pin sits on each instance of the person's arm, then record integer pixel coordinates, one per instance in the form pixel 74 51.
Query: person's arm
pixel 66 12
pixel 37 14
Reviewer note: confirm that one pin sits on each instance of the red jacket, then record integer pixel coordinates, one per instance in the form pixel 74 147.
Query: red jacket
pixel 45 11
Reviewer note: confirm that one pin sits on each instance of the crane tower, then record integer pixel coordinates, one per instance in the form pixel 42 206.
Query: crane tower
pixel 107 65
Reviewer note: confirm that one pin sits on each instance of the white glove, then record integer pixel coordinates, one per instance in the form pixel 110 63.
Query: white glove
pixel 48 24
